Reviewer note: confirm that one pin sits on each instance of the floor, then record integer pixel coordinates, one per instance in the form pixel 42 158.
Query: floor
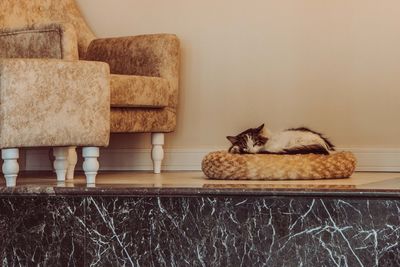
pixel 359 180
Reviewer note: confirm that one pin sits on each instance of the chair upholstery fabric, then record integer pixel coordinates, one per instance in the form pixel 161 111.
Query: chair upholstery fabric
pixel 52 40
pixel 145 55
pixel 143 120
pixel 22 13
pixel 153 55
pixel 139 91
pixel 52 113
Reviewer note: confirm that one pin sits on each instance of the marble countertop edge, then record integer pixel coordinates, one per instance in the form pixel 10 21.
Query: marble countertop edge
pixel 193 192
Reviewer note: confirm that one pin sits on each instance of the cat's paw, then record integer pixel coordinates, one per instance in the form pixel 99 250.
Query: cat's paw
pixel 234 150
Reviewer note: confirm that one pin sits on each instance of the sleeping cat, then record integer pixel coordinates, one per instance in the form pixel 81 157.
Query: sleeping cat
pixel 291 141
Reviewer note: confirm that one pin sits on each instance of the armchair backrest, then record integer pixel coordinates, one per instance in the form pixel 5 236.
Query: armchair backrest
pixel 21 13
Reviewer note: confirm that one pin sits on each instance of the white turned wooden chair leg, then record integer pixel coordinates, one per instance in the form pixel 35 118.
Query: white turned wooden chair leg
pixel 60 162
pixel 10 165
pixel 91 164
pixel 72 160
pixel 157 152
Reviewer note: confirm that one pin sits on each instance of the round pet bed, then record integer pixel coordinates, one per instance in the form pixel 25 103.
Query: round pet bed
pixel 224 165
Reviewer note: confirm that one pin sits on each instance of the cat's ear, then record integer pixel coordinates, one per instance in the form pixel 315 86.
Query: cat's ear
pixel 232 139
pixel 260 128
pixel 263 139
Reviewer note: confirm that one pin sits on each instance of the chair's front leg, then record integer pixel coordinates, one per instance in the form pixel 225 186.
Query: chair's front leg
pixel 91 164
pixel 157 152
pixel 60 162
pixel 10 165
pixel 72 160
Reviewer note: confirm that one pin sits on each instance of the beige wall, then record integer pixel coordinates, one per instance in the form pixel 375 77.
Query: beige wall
pixel 330 65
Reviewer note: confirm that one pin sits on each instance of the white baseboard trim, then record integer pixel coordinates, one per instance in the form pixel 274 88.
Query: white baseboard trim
pixel 127 159
pixel 384 160
pixel 376 160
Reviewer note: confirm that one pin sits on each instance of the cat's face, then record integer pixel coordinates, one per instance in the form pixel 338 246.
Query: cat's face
pixel 250 141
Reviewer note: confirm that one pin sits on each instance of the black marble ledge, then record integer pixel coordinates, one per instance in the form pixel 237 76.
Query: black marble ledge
pixel 242 231
pixel 207 223
pixel 42 231
pixel 126 190
pixel 367 185
pixel 198 231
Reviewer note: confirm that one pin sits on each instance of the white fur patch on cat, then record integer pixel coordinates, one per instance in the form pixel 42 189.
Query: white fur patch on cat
pixel 251 146
pixel 287 140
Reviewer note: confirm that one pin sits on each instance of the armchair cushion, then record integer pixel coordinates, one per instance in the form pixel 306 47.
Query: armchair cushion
pixel 51 40
pixel 138 91
pixel 19 13
pixel 142 120
pixel 48 102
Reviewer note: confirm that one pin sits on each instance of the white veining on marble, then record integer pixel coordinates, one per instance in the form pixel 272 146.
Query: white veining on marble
pixel 109 221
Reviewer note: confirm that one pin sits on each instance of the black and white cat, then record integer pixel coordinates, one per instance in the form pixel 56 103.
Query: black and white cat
pixel 291 141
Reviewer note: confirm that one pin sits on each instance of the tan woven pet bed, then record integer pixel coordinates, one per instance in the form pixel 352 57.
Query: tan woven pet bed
pixel 224 165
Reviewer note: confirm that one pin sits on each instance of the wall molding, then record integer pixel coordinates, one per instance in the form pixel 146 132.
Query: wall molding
pixel 126 159
pixel 379 160
pixel 384 160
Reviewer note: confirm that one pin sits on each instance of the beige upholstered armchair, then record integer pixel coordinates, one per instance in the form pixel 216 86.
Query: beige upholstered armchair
pixel 53 103
pixel 144 80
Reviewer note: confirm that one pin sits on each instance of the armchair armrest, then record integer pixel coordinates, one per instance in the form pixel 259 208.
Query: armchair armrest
pixel 154 55
pixel 44 40
pixel 46 102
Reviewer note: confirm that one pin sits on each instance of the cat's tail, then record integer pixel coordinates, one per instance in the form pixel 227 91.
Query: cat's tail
pixel 310 149
pixel 324 140
pixel 301 150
